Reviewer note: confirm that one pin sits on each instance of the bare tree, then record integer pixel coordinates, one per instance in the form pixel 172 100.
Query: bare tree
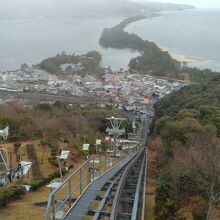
pixel 201 162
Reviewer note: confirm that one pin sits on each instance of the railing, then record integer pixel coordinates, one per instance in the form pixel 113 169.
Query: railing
pixel 63 197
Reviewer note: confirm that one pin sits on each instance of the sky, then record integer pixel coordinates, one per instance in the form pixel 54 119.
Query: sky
pixel 197 3
pixel 59 8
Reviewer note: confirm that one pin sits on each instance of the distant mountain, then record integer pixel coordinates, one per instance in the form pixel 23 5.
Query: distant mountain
pixel 73 8
pixel 159 6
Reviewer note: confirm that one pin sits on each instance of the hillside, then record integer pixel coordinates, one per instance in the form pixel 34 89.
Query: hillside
pixel 89 62
pixel 187 128
pixel 155 62
pixel 190 97
pixel 38 134
pixel 117 38
pixel 152 59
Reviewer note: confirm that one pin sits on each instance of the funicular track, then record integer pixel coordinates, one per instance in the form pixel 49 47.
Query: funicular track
pixel 128 198
pixel 109 189
pixel 119 197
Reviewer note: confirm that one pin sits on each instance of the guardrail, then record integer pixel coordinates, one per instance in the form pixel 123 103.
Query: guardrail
pixel 63 197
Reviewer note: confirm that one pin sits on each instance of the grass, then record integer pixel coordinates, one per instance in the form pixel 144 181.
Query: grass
pixel 25 207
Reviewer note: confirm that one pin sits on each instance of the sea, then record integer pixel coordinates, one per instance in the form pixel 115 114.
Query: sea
pixel 32 40
pixel 193 33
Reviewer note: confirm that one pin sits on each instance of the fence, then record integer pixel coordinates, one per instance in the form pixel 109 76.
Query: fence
pixel 63 197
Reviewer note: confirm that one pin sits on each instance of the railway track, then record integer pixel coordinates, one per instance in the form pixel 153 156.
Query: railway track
pixel 120 197
pixel 109 189
pixel 34 96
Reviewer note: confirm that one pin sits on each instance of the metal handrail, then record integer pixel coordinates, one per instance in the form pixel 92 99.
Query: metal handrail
pixel 77 186
pixel 51 196
pixel 90 175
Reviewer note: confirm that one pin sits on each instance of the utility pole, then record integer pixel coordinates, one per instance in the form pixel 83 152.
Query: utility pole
pixel 115 132
pixel 145 123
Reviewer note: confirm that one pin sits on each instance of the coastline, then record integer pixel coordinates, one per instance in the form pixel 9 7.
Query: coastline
pixel 178 57
pixel 192 61
pixel 184 58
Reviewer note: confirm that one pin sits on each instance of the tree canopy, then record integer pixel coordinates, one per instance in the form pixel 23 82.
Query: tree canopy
pixel 90 61
pixel 188 123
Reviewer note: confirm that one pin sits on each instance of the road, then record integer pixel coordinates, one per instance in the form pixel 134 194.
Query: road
pixel 50 97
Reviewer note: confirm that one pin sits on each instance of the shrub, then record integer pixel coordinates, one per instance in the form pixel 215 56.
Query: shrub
pixel 199 211
pixel 66 140
pixel 33 156
pixel 166 198
pixel 44 106
pixel 37 183
pixel 10 194
pixel 17 145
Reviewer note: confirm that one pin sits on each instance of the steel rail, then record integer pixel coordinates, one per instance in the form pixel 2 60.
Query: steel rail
pixel 105 197
pixel 51 199
pixel 116 174
pixel 144 188
pixel 85 178
pixel 137 191
pixel 121 184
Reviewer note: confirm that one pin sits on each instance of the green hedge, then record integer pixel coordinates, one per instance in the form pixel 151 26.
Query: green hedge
pixel 10 194
pixel 37 183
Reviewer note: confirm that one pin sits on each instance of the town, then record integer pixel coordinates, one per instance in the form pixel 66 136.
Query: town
pixel 125 89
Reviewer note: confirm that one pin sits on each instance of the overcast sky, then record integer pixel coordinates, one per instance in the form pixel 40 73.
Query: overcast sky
pixel 197 3
pixel 59 8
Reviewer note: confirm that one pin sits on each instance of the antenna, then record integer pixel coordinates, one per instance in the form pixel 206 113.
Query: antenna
pixel 115 131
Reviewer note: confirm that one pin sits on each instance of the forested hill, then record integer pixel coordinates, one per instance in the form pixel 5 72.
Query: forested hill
pixel 187 123
pixel 155 61
pixel 152 59
pixel 190 97
pixel 90 61
pixel 117 38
